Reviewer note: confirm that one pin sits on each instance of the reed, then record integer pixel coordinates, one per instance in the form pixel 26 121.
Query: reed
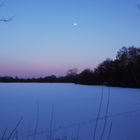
pixel 14 130
pixel 110 129
pixel 4 134
pixel 98 114
pixel 51 123
pixel 37 121
pixel 106 114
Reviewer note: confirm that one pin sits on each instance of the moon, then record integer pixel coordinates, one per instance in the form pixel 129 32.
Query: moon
pixel 75 24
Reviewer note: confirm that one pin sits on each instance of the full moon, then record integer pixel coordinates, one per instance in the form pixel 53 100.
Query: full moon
pixel 75 24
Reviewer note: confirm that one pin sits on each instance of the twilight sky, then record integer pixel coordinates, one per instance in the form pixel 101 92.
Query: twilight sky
pixel 42 39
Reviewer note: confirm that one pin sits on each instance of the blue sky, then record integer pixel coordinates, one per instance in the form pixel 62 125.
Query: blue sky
pixel 42 39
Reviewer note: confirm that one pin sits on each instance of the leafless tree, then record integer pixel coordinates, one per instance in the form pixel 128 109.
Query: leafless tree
pixel 72 72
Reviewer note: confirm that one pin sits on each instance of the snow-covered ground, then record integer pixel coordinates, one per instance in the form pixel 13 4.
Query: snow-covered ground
pixel 69 110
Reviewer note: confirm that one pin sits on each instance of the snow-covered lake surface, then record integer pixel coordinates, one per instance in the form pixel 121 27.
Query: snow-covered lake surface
pixel 69 111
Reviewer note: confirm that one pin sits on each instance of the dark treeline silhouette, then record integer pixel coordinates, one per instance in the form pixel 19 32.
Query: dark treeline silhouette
pixel 123 71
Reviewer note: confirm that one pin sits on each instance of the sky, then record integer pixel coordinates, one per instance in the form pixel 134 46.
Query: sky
pixel 42 38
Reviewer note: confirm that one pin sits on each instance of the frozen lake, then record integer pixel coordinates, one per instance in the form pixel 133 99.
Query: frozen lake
pixel 69 112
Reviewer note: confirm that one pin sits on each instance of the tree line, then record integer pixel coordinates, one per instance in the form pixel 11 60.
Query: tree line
pixel 122 71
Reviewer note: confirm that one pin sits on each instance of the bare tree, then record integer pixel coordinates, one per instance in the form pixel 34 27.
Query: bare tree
pixel 72 72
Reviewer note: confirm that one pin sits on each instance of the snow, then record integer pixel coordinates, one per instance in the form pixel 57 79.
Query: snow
pixel 74 111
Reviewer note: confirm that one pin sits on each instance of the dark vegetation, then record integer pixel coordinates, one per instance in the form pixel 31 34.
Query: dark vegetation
pixel 123 71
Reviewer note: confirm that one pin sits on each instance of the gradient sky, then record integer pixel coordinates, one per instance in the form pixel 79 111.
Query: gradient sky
pixel 42 39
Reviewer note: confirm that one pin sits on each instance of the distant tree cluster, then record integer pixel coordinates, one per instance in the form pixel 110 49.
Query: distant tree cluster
pixel 123 71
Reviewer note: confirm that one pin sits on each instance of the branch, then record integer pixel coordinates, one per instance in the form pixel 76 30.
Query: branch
pixel 138 6
pixel 1 4
pixel 7 19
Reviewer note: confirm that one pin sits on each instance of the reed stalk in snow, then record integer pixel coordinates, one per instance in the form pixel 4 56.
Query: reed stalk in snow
pixel 110 129
pixel 36 125
pixel 106 114
pixel 13 131
pixel 98 115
